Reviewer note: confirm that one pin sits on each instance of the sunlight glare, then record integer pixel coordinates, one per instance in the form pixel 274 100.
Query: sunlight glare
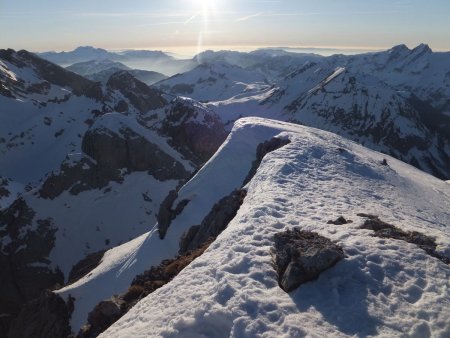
pixel 207 10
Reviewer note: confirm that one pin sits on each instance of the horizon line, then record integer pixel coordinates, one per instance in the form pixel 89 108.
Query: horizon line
pixel 241 48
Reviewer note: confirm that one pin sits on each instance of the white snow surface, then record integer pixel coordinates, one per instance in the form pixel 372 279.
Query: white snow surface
pixel 217 81
pixel 383 286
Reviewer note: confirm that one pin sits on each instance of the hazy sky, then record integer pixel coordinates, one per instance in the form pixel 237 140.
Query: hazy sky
pixel 187 25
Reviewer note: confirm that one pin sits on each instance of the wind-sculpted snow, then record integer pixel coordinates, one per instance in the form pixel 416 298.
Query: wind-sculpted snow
pixel 232 290
pixel 382 287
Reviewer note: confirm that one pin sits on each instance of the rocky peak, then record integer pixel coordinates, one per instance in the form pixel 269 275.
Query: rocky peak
pixel 423 48
pixel 53 73
pixel 398 49
pixel 143 97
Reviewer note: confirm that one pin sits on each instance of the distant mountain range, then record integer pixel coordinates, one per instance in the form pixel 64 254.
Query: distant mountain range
pixel 135 59
pixel 101 71
pixel 99 167
pixel 397 101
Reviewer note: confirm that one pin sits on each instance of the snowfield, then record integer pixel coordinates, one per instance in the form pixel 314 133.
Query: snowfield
pixel 383 287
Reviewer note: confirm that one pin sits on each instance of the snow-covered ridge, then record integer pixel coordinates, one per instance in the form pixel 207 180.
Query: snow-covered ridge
pixel 383 287
pixel 315 178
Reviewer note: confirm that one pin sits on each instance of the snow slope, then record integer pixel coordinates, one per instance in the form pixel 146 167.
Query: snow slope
pixel 84 166
pixel 370 106
pixel 232 290
pixel 383 286
pixel 215 81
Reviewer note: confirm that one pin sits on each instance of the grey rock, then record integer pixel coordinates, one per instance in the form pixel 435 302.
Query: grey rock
pixel 340 221
pixel 143 97
pixel 214 223
pixel 81 176
pixel 262 150
pixel 131 151
pixel 386 230
pixel 166 213
pixel 300 256
pixel 102 316
pixel 196 140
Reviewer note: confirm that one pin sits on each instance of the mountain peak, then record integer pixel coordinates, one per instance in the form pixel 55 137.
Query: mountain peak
pixel 422 48
pixel 89 49
pixel 399 49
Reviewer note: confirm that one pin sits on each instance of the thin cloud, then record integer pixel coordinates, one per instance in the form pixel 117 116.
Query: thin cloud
pixel 135 14
pixel 273 14
pixel 248 17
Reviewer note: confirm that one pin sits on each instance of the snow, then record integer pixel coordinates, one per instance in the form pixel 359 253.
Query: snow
pixel 338 71
pixel 383 286
pixel 32 144
pixel 89 220
pixel 234 164
pixel 217 81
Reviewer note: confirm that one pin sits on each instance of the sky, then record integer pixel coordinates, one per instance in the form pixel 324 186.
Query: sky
pixel 189 26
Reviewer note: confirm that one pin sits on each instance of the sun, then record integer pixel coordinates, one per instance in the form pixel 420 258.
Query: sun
pixel 207 12
pixel 203 5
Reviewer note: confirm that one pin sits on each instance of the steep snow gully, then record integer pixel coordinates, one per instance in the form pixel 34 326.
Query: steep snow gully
pixel 383 286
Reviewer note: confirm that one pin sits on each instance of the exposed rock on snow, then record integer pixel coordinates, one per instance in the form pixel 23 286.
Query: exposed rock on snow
pixel 108 311
pixel 386 230
pixel 101 317
pixel 141 96
pixel 77 177
pixel 4 192
pixel 127 149
pixel 86 265
pixel 214 223
pixel 51 73
pixel 166 213
pixel 262 150
pixel 195 140
pixel 44 317
pixel 300 256
pixel 340 221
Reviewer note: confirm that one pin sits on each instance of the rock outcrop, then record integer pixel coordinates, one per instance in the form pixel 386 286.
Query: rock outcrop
pixel 340 221
pixel 104 314
pixel 84 266
pixel 262 150
pixel 300 256
pixel 109 311
pixel 386 230
pixel 141 96
pixel 44 317
pixel 194 137
pixel 24 247
pixel 214 223
pixel 78 177
pixel 127 149
pixel 167 212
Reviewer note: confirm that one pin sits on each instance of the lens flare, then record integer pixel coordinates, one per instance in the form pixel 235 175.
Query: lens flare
pixel 207 10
